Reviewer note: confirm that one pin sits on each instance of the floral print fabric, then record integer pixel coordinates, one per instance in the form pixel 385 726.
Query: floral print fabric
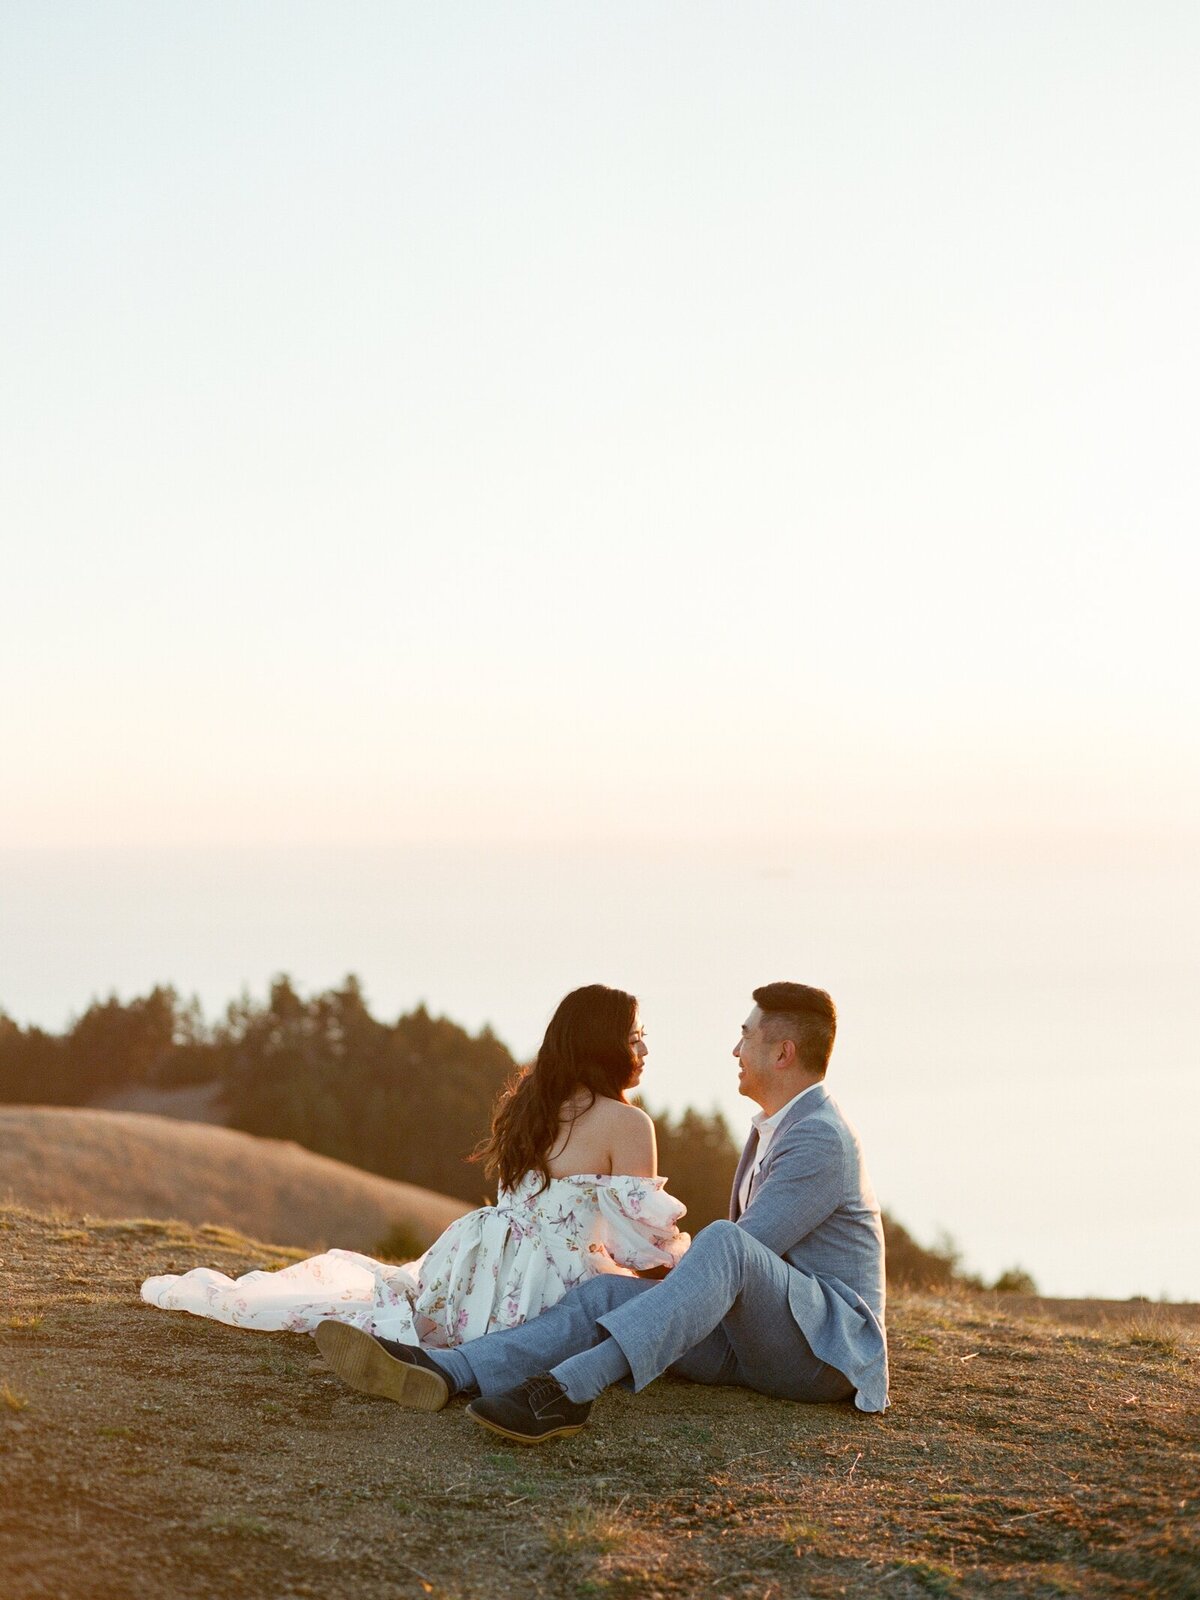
pixel 493 1268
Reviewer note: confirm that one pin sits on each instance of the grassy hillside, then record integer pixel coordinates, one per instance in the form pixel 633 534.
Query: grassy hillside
pixel 1034 1449
pixel 110 1163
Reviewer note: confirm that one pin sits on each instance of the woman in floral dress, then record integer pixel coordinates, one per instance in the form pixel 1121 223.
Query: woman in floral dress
pixel 579 1194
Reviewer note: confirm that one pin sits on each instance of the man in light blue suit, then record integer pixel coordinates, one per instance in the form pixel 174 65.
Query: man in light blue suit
pixel 786 1298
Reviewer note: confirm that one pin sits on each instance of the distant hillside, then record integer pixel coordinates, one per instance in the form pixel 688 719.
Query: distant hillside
pixel 122 1163
pixel 408 1099
pixel 199 1102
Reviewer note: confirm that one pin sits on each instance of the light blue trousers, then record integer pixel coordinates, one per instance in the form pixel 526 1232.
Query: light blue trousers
pixel 721 1316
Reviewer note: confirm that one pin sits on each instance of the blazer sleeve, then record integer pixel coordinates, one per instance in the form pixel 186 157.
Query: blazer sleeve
pixel 801 1185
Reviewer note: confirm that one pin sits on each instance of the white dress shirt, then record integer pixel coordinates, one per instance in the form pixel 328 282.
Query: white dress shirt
pixel 765 1127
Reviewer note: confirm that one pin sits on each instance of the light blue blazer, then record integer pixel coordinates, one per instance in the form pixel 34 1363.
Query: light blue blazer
pixel 812 1203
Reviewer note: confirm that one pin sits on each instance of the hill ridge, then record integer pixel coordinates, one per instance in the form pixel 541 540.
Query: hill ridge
pixel 130 1163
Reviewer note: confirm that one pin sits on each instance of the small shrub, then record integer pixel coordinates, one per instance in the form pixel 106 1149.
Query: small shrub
pixel 913 1265
pixel 584 1529
pixel 1153 1330
pixel 1015 1280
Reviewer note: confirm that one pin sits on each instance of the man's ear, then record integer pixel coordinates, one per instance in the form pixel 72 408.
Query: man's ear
pixel 787 1053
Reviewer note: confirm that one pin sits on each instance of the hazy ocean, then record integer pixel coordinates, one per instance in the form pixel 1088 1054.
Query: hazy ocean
pixel 1019 1036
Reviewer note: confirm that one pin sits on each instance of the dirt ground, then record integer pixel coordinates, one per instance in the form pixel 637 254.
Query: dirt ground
pixel 1034 1448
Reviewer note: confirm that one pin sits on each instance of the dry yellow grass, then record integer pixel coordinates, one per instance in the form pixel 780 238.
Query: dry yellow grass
pixel 111 1163
pixel 1033 1451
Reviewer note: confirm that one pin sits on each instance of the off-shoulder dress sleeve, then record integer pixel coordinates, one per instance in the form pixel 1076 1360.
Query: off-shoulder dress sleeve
pixel 638 1223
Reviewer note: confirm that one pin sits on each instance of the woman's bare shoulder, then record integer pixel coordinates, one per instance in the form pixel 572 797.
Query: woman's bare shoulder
pixel 619 1114
pixel 601 1109
pixel 632 1144
pixel 634 1116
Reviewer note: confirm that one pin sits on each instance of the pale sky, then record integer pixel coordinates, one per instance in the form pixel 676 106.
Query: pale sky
pixel 528 421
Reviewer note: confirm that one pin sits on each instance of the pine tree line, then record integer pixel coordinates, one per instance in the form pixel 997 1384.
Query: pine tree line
pixel 408 1099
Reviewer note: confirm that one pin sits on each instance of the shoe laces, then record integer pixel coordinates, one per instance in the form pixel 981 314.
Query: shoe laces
pixel 541 1390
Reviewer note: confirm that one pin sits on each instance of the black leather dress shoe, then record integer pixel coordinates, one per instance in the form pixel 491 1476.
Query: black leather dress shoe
pixel 408 1376
pixel 536 1410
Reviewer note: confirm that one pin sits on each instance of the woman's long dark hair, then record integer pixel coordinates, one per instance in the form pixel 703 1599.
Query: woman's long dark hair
pixel 586 1047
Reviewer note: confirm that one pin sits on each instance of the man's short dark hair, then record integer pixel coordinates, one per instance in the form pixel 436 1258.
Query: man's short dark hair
pixel 806 1016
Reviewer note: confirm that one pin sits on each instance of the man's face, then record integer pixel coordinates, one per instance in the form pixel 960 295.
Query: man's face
pixel 756 1056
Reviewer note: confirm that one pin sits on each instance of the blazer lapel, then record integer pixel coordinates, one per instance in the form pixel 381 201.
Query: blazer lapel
pixel 748 1150
pixel 812 1101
